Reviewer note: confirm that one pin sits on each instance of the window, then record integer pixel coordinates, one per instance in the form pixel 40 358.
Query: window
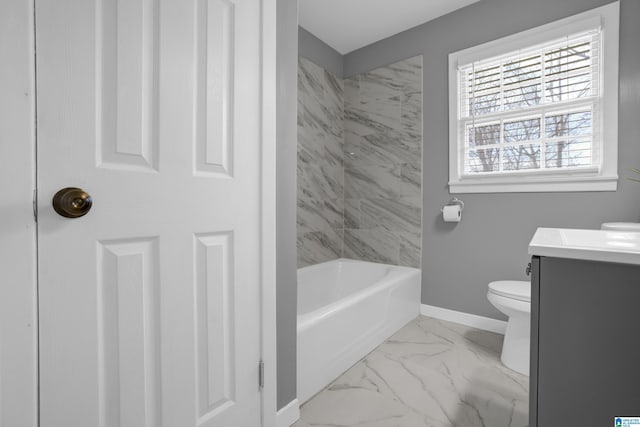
pixel 537 111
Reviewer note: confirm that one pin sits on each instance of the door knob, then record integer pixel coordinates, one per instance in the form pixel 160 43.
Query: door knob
pixel 72 202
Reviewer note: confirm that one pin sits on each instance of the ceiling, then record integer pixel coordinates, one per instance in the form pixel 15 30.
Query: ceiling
pixel 347 25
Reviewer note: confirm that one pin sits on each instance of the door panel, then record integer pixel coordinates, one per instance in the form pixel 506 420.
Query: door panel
pixel 214 322
pixel 128 332
pixel 216 21
pixel 149 304
pixel 127 84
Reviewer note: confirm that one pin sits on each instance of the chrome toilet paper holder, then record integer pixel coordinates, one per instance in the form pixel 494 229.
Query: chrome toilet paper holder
pixel 454 201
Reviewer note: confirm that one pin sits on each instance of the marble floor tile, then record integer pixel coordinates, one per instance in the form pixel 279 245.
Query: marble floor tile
pixel 430 373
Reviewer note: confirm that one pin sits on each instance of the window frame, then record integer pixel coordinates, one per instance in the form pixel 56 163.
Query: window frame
pixel 603 177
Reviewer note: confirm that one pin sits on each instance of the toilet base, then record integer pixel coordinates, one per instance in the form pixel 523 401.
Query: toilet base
pixel 516 346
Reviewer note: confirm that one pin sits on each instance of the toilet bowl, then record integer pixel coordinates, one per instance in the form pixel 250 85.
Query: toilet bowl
pixel 513 298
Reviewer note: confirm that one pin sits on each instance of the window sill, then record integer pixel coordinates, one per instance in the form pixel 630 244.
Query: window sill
pixel 531 184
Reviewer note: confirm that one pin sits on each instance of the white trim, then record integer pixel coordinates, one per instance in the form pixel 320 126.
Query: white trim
pixel 539 35
pixel 289 414
pixel 268 214
pixel 18 288
pixel 478 322
pixel 530 184
pixel 606 180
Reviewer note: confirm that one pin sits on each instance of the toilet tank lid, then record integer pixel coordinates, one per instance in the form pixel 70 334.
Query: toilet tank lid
pixel 516 289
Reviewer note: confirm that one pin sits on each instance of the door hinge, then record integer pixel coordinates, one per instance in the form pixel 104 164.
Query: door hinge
pixel 35 204
pixel 261 375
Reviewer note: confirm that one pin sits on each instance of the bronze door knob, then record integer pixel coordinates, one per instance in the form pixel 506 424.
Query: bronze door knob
pixel 72 202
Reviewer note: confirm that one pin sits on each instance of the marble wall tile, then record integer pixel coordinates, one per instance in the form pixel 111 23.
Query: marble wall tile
pixel 334 154
pixel 351 93
pixel 405 75
pixel 410 249
pixel 357 124
pixel 383 164
pixel 308 151
pixel 318 215
pixel 396 215
pixel 319 246
pixel 326 87
pixel 357 121
pixel 379 111
pixel 320 164
pixel 360 164
pixel 371 180
pixel 375 245
pixel 321 119
pixel 379 85
pixel 411 114
pixel 382 148
pixel 411 176
pixel 352 213
pixel 321 181
pixel 315 149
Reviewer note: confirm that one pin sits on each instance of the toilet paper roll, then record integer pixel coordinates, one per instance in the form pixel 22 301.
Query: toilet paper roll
pixel 452 213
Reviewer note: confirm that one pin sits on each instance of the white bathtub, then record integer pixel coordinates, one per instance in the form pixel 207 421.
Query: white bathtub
pixel 346 308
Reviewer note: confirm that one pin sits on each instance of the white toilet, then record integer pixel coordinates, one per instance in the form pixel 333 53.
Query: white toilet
pixel 513 298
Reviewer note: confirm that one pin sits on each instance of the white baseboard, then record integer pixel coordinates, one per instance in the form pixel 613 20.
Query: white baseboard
pixel 479 322
pixel 289 414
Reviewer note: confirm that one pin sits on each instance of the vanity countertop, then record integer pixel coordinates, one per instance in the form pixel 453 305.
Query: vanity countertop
pixel 594 245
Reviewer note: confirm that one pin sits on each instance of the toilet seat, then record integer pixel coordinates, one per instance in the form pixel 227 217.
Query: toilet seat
pixel 514 289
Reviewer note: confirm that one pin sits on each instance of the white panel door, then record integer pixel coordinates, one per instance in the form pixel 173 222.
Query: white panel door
pixel 149 304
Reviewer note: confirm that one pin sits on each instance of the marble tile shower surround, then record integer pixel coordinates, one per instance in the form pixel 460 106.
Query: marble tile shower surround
pixel 431 373
pixel 383 164
pixel 320 164
pixel 378 172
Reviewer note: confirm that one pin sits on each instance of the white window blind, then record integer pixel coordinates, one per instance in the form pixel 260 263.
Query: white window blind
pixel 534 110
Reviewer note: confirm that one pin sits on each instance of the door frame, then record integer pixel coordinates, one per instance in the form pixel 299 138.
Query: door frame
pixel 269 213
pixel 18 285
pixel 18 251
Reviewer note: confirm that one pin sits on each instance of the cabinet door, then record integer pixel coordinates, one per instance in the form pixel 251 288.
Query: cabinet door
pixel 588 347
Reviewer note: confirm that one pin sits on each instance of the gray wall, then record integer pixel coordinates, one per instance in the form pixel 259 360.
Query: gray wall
pixel 491 241
pixel 311 47
pixel 287 291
